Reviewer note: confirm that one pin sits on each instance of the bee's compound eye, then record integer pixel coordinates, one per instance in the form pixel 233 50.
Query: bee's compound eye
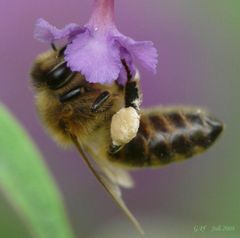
pixel 59 76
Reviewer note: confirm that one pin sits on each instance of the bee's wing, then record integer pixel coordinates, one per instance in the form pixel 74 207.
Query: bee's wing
pixel 110 186
pixel 117 175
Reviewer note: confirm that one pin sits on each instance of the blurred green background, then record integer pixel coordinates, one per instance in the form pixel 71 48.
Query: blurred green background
pixel 199 64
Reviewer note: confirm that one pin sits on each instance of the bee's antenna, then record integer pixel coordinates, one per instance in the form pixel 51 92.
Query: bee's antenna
pixel 61 51
pixel 53 46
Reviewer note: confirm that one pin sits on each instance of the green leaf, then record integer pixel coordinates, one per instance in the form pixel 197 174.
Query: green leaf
pixel 27 184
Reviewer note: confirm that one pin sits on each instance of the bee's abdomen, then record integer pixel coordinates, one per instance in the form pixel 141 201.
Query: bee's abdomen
pixel 170 135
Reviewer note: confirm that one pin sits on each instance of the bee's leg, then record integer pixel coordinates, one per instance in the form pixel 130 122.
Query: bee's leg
pixel 114 148
pixel 100 100
pixel 132 94
pixel 132 99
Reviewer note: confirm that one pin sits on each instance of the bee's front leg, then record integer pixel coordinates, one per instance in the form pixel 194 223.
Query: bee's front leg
pixel 125 122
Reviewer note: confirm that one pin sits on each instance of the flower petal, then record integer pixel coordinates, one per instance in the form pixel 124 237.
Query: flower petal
pixel 95 57
pixel 46 32
pixel 143 51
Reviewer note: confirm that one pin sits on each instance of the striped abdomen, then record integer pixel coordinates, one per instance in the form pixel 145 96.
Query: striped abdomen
pixel 169 135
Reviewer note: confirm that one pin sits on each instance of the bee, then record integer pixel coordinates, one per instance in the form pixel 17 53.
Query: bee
pixel 77 112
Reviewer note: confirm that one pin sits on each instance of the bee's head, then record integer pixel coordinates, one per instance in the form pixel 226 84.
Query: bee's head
pixel 51 73
pixel 51 70
pixel 54 82
pixel 63 97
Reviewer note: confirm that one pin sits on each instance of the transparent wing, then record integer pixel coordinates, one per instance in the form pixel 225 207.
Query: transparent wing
pixel 117 175
pixel 111 186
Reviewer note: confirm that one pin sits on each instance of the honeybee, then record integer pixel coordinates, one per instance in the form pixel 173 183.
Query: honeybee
pixel 77 112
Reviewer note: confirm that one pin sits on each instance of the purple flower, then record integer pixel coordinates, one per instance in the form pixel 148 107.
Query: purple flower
pixel 98 49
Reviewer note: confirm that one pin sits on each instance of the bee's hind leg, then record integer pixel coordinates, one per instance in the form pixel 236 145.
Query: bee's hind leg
pixel 132 95
pixel 113 149
pixel 132 101
pixel 132 92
